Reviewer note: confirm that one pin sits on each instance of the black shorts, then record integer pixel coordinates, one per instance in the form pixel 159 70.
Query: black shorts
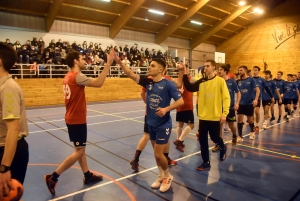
pixel 78 134
pixel 146 128
pixel 185 116
pixel 266 102
pixel 231 116
pixel 19 164
pixel 258 103
pixel 247 110
pixel 287 101
pixel 295 101
pixel 277 101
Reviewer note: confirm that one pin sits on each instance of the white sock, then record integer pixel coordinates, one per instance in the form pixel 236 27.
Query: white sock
pixel 167 173
pixel 161 171
pixel 184 133
pixel 226 126
pixel 178 132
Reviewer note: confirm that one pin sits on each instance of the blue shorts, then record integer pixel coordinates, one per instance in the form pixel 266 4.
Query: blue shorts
pixel 160 135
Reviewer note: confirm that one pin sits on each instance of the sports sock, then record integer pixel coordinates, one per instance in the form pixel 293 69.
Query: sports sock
pixel 185 132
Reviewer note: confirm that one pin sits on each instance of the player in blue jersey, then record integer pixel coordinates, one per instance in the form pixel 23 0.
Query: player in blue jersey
pixel 159 92
pixel 234 102
pixel 267 100
pixel 249 98
pixel 262 87
pixel 288 95
pixel 280 86
pixel 295 97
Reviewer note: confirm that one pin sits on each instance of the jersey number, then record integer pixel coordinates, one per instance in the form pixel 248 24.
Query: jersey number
pixel 67 91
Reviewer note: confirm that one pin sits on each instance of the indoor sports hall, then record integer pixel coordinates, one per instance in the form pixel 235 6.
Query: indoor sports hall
pixel 233 33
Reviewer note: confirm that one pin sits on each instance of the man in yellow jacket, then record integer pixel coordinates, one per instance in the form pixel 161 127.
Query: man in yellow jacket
pixel 213 107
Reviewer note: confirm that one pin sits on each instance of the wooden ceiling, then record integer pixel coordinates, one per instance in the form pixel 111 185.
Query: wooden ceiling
pixel 221 19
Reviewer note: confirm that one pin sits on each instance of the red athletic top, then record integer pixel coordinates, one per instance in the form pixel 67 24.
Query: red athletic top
pixel 73 87
pixel 187 98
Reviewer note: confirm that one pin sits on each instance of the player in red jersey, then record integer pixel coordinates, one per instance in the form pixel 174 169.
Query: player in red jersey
pixel 74 84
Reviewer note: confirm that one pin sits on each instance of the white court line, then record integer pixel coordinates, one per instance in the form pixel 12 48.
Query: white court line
pixel 146 170
pixel 98 115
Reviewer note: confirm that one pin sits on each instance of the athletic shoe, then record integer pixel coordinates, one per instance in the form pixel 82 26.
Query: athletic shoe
pixel 157 182
pixel 265 125
pixel 286 118
pixel 203 166
pixel 227 130
pixel 234 141
pixel 278 121
pixel 50 183
pixel 179 145
pixel 166 183
pixel 171 162
pixel 239 139
pixel 216 148
pixel 134 164
pixel 223 153
pixel 256 130
pixel 272 119
pixel 93 179
pixel 252 136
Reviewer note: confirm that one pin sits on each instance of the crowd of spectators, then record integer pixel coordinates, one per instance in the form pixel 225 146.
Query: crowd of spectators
pixel 39 55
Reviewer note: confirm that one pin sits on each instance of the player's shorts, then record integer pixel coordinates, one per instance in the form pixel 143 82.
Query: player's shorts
pixel 78 134
pixel 295 101
pixel 266 102
pixel 247 110
pixel 160 135
pixel 231 116
pixel 185 116
pixel 287 101
pixel 146 129
pixel 258 103
pixel 277 101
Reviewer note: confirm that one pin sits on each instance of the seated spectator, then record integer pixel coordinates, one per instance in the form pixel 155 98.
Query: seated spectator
pixel 23 55
pixel 17 46
pixel 8 42
pixel 59 43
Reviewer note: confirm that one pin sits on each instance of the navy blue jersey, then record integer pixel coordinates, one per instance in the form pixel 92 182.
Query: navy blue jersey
pixel 280 85
pixel 247 88
pixel 289 87
pixel 272 87
pixel 262 84
pixel 295 90
pixel 159 95
pixel 232 88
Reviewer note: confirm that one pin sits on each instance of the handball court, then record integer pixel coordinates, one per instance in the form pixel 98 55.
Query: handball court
pixel 266 168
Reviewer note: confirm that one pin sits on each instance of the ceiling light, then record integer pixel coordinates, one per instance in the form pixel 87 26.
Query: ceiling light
pixel 257 10
pixel 106 0
pixel 242 3
pixel 195 22
pixel 156 12
pixel 146 19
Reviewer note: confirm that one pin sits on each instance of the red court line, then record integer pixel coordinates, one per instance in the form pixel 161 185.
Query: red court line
pixel 259 153
pixel 107 177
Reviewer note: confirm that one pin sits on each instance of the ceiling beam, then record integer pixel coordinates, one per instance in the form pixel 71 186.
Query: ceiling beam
pixel 176 23
pixel 125 16
pixel 53 11
pixel 218 9
pixel 90 9
pixel 21 11
pixel 214 29
pixel 81 20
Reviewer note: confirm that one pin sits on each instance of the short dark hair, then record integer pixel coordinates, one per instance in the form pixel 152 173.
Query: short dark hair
pixel 290 75
pixel 267 72
pixel 225 68
pixel 258 68
pixel 70 58
pixel 280 72
pixel 8 56
pixel 160 61
pixel 248 71
pixel 244 67
pixel 212 62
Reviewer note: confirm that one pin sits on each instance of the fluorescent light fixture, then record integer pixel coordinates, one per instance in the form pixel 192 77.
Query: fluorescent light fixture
pixel 106 0
pixel 146 19
pixel 257 10
pixel 195 22
pixel 156 12
pixel 242 3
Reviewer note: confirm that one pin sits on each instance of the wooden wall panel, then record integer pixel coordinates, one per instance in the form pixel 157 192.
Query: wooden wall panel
pixel 274 39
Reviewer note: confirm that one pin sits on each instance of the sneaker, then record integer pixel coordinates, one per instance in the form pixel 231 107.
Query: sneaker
pixel 50 183
pixel 239 139
pixel 171 162
pixel 272 119
pixel 179 145
pixel 227 130
pixel 223 153
pixel 166 184
pixel 216 148
pixel 203 166
pixel 252 136
pixel 265 125
pixel 278 121
pixel 92 179
pixel 134 164
pixel 234 141
pixel 157 182
pixel 256 130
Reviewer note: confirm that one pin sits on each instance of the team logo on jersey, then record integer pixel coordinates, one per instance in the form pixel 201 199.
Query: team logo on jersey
pixel 167 131
pixel 160 87
pixel 150 87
